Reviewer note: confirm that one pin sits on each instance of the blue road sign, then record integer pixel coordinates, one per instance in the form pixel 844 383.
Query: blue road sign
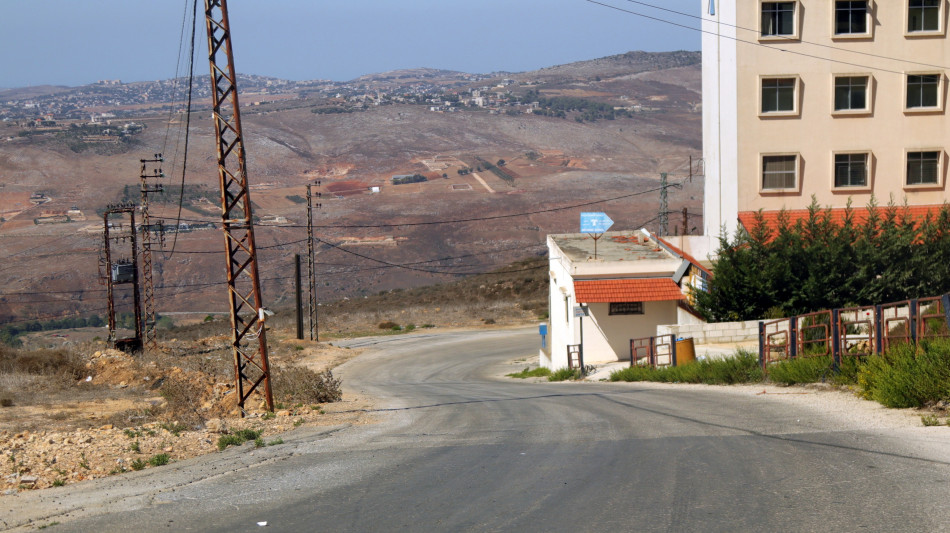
pixel 595 222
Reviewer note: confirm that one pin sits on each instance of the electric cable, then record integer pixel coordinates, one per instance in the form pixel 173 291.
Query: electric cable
pixel 737 39
pixel 813 43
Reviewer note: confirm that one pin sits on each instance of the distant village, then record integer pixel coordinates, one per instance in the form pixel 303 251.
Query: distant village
pixel 107 108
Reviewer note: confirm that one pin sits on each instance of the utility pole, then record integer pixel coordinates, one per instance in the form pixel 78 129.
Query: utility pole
pixel 685 221
pixel 121 272
pixel 311 276
pixel 249 336
pixel 299 299
pixel 148 286
pixel 664 205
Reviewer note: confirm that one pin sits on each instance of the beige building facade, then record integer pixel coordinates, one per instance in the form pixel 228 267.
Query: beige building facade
pixel 836 100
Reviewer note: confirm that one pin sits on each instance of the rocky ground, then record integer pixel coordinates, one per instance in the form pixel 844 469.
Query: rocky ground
pixel 62 448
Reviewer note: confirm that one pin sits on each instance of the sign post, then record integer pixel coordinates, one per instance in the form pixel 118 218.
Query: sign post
pixel 596 224
pixel 580 311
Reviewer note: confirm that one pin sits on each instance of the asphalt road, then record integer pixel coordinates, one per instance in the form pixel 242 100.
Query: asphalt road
pixel 460 448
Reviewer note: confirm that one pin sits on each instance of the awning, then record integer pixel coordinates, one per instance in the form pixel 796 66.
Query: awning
pixel 626 290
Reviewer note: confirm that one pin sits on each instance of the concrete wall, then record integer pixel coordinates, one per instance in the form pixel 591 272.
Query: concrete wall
pixel 607 338
pixel 561 304
pixel 720 118
pixel 717 333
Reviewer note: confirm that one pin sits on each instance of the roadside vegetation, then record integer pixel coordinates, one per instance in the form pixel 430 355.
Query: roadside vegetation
pixel 904 376
pixel 742 368
pixel 820 263
pixel 539 372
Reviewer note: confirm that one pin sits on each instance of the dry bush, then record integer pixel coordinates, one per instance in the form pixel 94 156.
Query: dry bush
pixel 296 384
pixel 60 363
pixel 25 372
pixel 182 402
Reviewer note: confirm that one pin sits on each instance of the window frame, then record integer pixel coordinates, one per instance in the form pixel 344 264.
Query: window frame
pixel 941 82
pixel 868 23
pixel 796 97
pixel 868 172
pixel 795 189
pixel 868 94
pixel 941 24
pixel 796 21
pixel 637 308
pixel 941 162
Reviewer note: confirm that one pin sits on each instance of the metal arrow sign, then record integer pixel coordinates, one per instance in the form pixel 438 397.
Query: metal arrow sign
pixel 595 222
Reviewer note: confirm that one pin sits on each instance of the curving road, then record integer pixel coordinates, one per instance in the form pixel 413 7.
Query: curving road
pixel 461 448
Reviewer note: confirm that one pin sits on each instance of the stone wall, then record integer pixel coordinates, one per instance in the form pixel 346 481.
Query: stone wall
pixel 714 333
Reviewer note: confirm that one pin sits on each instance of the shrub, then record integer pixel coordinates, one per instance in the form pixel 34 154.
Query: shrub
pixel 908 376
pixel 565 374
pixel 137 464
pixel 743 367
pixel 539 372
pixel 929 420
pixel 175 428
pixel 301 385
pixel 389 324
pixel 802 370
pixel 159 460
pixel 238 438
pixel 182 403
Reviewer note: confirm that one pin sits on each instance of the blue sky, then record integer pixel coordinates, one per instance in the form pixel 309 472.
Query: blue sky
pixel 73 42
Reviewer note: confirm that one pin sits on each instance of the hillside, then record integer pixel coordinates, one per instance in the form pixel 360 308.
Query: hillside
pixel 401 237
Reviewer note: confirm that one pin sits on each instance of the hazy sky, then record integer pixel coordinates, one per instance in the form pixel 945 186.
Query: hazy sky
pixel 74 42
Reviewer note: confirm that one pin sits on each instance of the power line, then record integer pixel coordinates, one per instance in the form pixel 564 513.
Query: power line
pixel 756 31
pixel 737 39
pixel 474 219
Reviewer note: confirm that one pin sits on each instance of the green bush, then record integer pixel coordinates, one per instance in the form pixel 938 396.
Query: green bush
pixel 159 460
pixel 743 367
pixel 566 374
pixel 802 370
pixel 238 438
pixel 539 372
pixel 908 375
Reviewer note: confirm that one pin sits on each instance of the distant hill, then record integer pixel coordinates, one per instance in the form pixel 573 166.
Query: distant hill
pixel 611 125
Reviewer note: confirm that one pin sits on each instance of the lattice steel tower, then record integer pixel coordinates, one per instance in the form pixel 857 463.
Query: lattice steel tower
pixel 249 342
pixel 147 228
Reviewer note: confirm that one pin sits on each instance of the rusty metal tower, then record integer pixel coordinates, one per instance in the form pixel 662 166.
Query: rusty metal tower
pixel 147 228
pixel 121 271
pixel 249 342
pixel 311 275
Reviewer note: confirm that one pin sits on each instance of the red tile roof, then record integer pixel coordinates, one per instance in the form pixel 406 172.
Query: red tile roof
pixel 747 218
pixel 626 290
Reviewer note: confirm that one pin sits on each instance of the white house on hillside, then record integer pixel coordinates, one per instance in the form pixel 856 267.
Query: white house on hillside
pixel 633 284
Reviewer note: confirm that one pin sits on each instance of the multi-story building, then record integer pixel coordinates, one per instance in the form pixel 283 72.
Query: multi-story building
pixel 836 100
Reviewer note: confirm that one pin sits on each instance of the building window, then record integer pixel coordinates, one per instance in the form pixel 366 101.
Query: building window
pixel 778 19
pixel 779 172
pixel 851 170
pixel 923 91
pixel 851 93
pixel 626 308
pixel 923 168
pixel 778 95
pixel 923 16
pixel 851 18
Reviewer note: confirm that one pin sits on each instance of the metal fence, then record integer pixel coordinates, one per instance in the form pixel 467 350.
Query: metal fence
pixel 653 351
pixel 854 331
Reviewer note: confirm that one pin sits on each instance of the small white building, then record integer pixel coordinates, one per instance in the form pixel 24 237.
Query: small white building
pixel 634 283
